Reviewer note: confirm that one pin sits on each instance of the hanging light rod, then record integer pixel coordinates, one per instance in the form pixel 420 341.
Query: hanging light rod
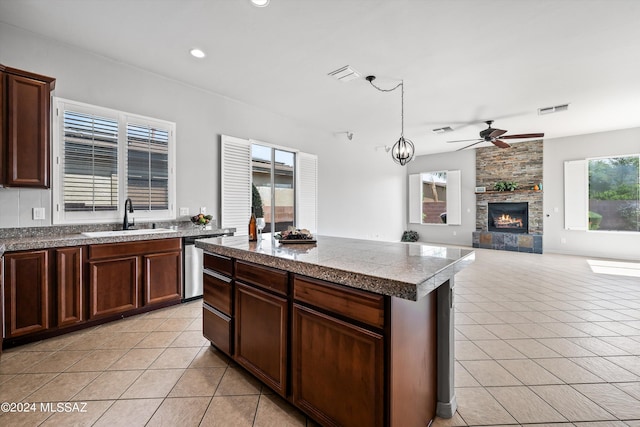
pixel 403 150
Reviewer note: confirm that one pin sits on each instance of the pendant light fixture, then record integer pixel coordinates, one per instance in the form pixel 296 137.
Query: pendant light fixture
pixel 403 150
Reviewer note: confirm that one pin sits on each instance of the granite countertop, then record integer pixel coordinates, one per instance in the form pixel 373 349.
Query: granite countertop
pixel 404 270
pixel 50 237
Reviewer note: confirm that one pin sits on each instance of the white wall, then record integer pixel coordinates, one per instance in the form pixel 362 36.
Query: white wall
pixel 588 243
pixel 465 161
pixel 361 192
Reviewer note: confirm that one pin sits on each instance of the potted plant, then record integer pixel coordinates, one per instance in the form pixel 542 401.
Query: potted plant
pixel 505 186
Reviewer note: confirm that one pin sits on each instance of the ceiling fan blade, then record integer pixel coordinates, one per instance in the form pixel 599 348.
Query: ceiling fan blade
pixel 497 132
pixel 524 135
pixel 467 140
pixel 500 144
pixel 471 145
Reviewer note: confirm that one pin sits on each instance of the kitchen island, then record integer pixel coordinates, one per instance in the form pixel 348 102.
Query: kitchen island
pixel 352 332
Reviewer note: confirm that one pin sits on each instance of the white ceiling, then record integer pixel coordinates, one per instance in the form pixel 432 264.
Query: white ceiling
pixel 462 61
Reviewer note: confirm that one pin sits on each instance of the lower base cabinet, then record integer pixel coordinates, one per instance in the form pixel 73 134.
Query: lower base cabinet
pixel 344 356
pixel 337 370
pixel 69 280
pixel 113 286
pixel 26 292
pixel 261 335
pixel 48 290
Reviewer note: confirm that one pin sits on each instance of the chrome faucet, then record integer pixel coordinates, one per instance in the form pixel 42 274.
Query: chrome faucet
pixel 126 224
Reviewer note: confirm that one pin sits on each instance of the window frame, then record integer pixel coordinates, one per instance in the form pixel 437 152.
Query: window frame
pixel 59 215
pixel 576 195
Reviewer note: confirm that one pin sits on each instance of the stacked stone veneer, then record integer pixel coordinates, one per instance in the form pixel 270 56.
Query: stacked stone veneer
pixel 522 163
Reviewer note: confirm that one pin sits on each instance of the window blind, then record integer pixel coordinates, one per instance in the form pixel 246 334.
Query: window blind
pixel 148 167
pixel 90 162
pixel 307 190
pixel 235 181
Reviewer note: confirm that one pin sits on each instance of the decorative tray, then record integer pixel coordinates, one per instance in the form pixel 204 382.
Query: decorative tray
pixel 298 241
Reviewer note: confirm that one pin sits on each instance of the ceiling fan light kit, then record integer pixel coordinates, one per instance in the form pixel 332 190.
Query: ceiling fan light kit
pixel 403 150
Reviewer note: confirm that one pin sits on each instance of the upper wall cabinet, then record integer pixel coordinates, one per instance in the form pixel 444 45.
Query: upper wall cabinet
pixel 24 130
pixel 434 198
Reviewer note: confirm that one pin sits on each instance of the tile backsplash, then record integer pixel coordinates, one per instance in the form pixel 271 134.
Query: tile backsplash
pixel 16 207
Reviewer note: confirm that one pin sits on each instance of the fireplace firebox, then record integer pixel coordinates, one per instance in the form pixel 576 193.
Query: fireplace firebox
pixel 508 217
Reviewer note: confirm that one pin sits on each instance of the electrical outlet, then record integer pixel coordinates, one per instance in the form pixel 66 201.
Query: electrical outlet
pixel 203 209
pixel 184 211
pixel 563 240
pixel 556 210
pixel 38 213
pixel 455 233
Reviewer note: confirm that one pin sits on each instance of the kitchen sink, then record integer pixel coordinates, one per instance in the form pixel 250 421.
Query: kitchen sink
pixel 133 232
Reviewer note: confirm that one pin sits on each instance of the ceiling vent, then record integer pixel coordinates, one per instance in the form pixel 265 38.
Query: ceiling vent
pixel 344 74
pixel 442 130
pixel 554 109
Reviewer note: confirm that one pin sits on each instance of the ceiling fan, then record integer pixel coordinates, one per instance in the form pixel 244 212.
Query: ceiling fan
pixel 491 135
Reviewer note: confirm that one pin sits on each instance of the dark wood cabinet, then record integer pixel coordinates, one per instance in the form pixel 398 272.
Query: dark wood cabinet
pixel 337 370
pixel 26 292
pixel 51 291
pixel 261 335
pixel 217 310
pixel 24 137
pixel 113 286
pixel 344 356
pixel 69 284
pixel 162 277
pixel 127 276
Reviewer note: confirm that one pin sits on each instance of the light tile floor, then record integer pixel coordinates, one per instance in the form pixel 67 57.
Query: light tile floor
pixel 540 339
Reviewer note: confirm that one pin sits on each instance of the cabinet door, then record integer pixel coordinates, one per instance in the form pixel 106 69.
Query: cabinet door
pixel 113 286
pixel 162 277
pixel 261 335
pixel 26 290
pixel 27 143
pixel 337 370
pixel 69 282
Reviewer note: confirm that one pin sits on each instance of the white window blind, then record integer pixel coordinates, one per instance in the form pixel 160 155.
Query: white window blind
pixel 90 163
pixel 415 199
pixel 235 159
pixel 576 179
pixel 148 167
pixel 454 198
pixel 307 190
pixel 103 156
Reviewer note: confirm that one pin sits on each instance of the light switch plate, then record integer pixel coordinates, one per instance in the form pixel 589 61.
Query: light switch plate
pixel 184 211
pixel 203 210
pixel 38 213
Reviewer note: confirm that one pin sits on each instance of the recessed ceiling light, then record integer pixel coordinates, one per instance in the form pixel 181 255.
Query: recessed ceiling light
pixel 260 3
pixel 197 53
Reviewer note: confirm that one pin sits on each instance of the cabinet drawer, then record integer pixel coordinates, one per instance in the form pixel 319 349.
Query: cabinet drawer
pixel 217 292
pixel 216 327
pixel 355 304
pixel 124 249
pixel 264 277
pixel 218 263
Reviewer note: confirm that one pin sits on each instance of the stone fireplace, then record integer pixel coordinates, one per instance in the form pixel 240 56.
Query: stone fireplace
pixel 522 163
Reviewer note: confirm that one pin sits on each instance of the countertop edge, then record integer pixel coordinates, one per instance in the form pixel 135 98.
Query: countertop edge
pixel 378 285
pixel 66 240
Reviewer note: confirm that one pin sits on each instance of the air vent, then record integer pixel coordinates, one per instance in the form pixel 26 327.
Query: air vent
pixel 554 109
pixel 344 74
pixel 442 130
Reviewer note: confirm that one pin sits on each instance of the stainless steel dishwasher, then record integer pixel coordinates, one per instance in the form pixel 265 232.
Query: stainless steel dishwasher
pixel 192 280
